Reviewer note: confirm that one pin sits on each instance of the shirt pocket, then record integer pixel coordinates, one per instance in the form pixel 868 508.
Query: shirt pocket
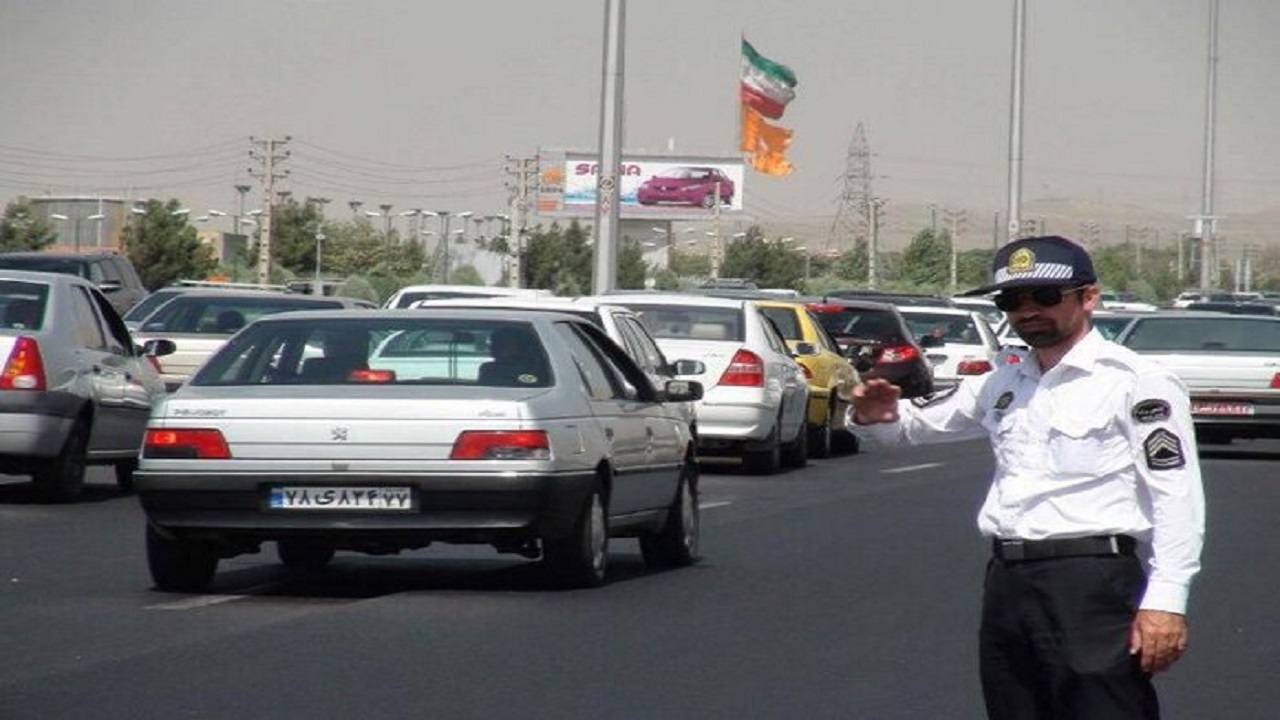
pixel 1087 446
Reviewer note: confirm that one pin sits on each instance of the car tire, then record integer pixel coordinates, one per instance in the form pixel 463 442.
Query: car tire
pixel 767 461
pixel 303 556
pixel 582 558
pixel 709 200
pixel 847 443
pixel 124 474
pixel 820 438
pixel 179 565
pixel 676 544
pixel 60 479
pixel 795 454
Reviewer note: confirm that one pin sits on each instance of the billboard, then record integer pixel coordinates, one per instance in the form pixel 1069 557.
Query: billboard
pixel 658 187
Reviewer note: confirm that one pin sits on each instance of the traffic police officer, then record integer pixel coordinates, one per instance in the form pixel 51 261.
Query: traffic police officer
pixel 1096 510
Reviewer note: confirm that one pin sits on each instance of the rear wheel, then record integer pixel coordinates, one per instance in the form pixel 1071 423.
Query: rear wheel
pixel 124 474
pixel 767 461
pixel 303 556
pixel 179 565
pixel 796 452
pixel 582 558
pixel 61 479
pixel 820 438
pixel 676 544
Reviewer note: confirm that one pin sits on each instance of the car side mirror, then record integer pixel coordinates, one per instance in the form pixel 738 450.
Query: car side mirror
pixel 159 347
pixel 688 367
pixel 682 390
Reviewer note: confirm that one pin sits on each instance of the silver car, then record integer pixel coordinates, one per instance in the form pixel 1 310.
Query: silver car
pixel 200 321
pixel 756 401
pixel 74 389
pixel 385 430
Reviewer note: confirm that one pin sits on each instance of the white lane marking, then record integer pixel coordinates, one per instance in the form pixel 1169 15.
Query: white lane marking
pixel 208 600
pixel 709 505
pixel 910 468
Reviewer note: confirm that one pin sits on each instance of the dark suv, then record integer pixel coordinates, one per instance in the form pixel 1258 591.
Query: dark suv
pixel 112 273
pixel 878 332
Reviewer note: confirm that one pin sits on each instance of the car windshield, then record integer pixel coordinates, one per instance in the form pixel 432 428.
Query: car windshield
pixel 1230 333
pixel 22 304
pixel 51 263
pixel 691 322
pixel 223 315
pixel 951 328
pixel 414 350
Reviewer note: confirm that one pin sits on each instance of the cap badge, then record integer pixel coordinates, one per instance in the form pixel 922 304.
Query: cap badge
pixel 1021 260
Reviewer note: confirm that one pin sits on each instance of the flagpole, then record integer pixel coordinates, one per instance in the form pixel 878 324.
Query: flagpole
pixel 605 278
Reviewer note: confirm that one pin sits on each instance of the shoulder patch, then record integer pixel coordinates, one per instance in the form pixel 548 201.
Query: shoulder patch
pixel 1005 400
pixel 925 401
pixel 1153 410
pixel 1163 450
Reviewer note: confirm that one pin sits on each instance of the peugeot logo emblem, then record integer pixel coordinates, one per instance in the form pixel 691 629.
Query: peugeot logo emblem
pixel 339 434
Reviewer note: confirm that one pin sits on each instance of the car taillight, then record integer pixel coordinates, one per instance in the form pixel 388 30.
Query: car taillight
pixel 746 369
pixel 897 353
pixel 155 363
pixel 808 374
pixel 186 444
pixel 501 445
pixel 973 367
pixel 1275 381
pixel 24 369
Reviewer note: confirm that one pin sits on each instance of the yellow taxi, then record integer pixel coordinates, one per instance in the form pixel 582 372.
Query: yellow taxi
pixel 830 375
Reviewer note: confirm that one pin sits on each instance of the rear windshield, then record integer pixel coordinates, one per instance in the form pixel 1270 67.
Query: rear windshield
pixel 691 322
pixel 862 323
pixel 409 298
pixel 415 350
pixel 1229 333
pixel 951 328
pixel 22 304
pixel 149 304
pixel 223 315
pixel 52 263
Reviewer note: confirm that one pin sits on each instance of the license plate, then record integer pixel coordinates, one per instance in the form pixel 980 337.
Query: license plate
pixel 383 499
pixel 1215 407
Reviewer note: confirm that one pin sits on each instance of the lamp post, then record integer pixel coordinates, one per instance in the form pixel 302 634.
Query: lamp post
pixel 98 218
pixel 319 202
pixel 241 190
pixel 386 220
pixel 355 206
pixel 60 218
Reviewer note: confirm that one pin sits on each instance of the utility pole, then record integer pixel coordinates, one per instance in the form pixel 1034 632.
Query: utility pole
pixel 873 240
pixel 717 242
pixel 1205 223
pixel 605 277
pixel 1015 120
pixel 320 202
pixel 268 155
pixel 958 219
pixel 523 170
pixel 242 190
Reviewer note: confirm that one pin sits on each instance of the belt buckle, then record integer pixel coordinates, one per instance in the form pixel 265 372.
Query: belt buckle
pixel 1013 550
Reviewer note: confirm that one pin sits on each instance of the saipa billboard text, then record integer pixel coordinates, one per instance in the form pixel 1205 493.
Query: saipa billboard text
pixel 650 186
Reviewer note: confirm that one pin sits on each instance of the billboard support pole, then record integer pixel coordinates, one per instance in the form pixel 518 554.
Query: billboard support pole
pixel 717 249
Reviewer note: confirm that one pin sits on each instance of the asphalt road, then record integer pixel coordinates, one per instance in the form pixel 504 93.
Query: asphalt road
pixel 848 589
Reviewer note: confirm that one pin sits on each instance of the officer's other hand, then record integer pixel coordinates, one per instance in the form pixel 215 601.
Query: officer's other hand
pixel 876 401
pixel 1159 638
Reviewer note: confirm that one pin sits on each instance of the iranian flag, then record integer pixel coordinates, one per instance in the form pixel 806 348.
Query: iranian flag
pixel 767 86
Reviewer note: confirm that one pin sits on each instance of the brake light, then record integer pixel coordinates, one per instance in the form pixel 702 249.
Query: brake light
pixel 973 367
pixel 24 369
pixel 372 376
pixel 897 353
pixel 746 369
pixel 185 444
pixel 808 374
pixel 1275 381
pixel 501 445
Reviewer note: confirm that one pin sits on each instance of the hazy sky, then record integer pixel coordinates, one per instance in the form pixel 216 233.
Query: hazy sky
pixel 416 102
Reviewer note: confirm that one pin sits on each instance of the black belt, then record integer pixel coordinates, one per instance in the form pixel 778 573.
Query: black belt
pixel 1017 550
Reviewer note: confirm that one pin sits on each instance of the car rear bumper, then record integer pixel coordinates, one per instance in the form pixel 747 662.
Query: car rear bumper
pixel 448 508
pixel 737 422
pixel 36 424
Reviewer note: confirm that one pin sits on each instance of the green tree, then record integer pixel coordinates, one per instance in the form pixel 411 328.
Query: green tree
pixel 164 247
pixel 973 268
pixel 465 275
pixel 927 260
pixel 768 263
pixel 688 264
pixel 22 229
pixel 851 265
pixel 557 259
pixel 631 266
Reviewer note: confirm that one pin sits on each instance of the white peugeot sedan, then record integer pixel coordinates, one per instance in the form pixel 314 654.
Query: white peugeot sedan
pixel 533 434
pixel 965 344
pixel 756 398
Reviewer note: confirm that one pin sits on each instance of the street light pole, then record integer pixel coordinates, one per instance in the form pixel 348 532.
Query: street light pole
pixel 320 203
pixel 242 190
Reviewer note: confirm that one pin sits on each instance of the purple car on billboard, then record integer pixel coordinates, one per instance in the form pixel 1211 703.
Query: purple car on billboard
pixel 686 185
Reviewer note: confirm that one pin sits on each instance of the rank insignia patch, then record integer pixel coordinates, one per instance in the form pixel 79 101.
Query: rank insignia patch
pixel 1163 450
pixel 1149 411
pixel 1005 400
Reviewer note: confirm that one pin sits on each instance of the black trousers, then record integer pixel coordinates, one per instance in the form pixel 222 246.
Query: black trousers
pixel 1054 641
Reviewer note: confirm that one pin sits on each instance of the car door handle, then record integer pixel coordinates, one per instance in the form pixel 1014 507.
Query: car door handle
pixel 608 432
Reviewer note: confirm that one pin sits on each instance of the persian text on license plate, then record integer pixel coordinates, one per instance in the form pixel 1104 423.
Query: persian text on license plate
pixel 1214 407
pixel 341 498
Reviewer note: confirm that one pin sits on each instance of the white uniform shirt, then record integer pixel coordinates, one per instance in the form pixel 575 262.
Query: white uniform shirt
pixel 1101 444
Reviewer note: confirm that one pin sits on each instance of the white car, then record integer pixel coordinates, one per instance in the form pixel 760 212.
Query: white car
pixel 969 345
pixel 756 398
pixel 984 305
pixel 1125 301
pixel 406 296
pixel 621 325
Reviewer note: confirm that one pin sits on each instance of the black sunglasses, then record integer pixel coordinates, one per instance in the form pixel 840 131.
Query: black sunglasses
pixel 1046 296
